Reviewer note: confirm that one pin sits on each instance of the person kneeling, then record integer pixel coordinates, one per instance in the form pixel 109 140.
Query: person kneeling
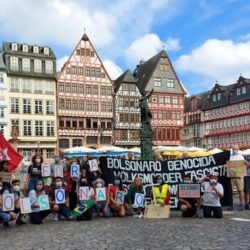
pixel 213 191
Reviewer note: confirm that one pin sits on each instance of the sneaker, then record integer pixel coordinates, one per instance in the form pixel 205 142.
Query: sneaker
pixel 197 215
pixel 141 216
pixel 247 207
pixel 55 216
pixel 136 216
pixel 240 208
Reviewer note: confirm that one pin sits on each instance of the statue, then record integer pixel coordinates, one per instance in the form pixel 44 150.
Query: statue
pixel 146 133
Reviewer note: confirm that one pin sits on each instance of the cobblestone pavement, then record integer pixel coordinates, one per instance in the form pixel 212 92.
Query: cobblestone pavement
pixel 132 233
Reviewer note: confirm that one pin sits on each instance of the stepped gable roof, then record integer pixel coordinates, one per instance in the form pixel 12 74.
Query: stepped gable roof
pixel 126 77
pixel 145 70
pixel 201 99
pixel 2 64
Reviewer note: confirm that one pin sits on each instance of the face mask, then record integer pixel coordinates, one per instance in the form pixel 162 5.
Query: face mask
pixel 159 182
pixel 99 185
pixel 39 187
pixel 213 181
pixel 59 184
pixel 38 161
pixel 117 182
pixel 16 188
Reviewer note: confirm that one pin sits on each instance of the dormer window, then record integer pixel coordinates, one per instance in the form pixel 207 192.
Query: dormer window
pixel 14 46
pixel 46 51
pixel 35 49
pixel 216 97
pixel 25 48
pixel 238 91
pixel 244 90
pixel 241 91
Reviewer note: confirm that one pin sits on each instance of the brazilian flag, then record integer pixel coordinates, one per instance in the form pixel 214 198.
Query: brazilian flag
pixel 83 207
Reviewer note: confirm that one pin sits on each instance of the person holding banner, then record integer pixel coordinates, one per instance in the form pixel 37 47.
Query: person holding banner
pixel 58 197
pixel 134 189
pixel 37 215
pixel 213 192
pixel 34 171
pixel 116 195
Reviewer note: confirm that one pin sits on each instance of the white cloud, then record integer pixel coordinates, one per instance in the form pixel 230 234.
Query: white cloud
pixel 112 68
pixel 61 61
pixel 147 46
pixel 221 60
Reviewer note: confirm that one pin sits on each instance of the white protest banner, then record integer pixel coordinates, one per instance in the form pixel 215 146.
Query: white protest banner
pixel 8 202
pixel 93 165
pixel 46 170
pixel 58 171
pixel 25 205
pixel 84 193
pixel 101 194
pixel 139 200
pixel 43 202
pixel 119 197
pixel 75 170
pixel 60 196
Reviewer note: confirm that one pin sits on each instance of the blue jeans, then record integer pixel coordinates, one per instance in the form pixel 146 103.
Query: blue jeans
pixel 4 217
pixel 64 211
pixel 99 207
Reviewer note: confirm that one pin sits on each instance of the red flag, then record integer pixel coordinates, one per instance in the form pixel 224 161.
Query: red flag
pixel 9 154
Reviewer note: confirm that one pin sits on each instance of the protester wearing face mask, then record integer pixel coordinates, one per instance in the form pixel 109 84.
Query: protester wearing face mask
pixel 34 171
pixel 59 209
pixel 161 193
pixel 101 206
pixel 189 206
pixel 213 192
pixel 117 209
pixel 37 216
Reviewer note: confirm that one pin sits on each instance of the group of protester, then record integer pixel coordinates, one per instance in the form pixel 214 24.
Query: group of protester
pixel 75 208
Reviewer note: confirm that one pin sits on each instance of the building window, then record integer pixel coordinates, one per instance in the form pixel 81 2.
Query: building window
pixel 14 105
pixel 26 86
pixel 38 87
pixel 38 107
pixel 238 91
pixel 80 71
pixel 170 83
pixel 81 105
pixel 88 89
pixel 109 107
pixel 26 106
pixel 89 106
pixel 27 128
pixel 49 67
pixel 244 90
pixel 35 49
pixel 103 90
pixel 219 96
pixel 61 87
pixel 157 82
pixel 13 63
pixel 109 91
pixel 50 152
pixel 67 88
pixel 61 103
pixel 15 123
pixel 68 104
pixel 74 88
pixel 37 66
pixel 105 140
pixel 2 112
pixel 14 85
pixel 164 67
pixel 92 139
pixel 77 142
pixel 50 128
pixel 95 90
pixel 50 107
pixel 26 64
pixel 46 51
pixel 87 71
pixel 75 105
pixel 80 89
pixel 49 88
pixel 25 48
pixel 175 100
pixel 39 128
pixel 95 106
pixel 14 47
pixel 167 100
pixel 63 143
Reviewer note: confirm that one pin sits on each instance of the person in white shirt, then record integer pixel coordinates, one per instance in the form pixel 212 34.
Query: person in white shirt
pixel 213 192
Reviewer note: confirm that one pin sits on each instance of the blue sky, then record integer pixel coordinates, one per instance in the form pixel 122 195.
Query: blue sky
pixel 206 40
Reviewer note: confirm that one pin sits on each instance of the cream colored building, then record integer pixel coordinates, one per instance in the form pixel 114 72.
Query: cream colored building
pixel 31 72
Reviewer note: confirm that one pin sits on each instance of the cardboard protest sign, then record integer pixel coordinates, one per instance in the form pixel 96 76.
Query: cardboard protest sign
pixel 101 194
pixel 8 202
pixel 46 170
pixel 157 211
pixel 43 202
pixel 5 176
pixel 93 165
pixel 58 171
pixel 119 197
pixel 25 205
pixel 75 170
pixel 189 190
pixel 236 169
pixel 60 196
pixel 84 193
pixel 139 200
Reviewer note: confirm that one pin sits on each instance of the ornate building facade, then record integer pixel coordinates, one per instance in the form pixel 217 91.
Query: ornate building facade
pixel 31 72
pixel 85 99
pixel 167 100
pixel 127 115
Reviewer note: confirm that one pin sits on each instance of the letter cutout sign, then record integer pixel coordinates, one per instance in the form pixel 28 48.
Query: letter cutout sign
pixel 43 202
pixel 60 196
pixel 75 171
pixel 139 200
pixel 8 202
pixel 84 193
pixel 93 165
pixel 58 171
pixel 25 205
pixel 46 170
pixel 101 194
pixel 119 197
